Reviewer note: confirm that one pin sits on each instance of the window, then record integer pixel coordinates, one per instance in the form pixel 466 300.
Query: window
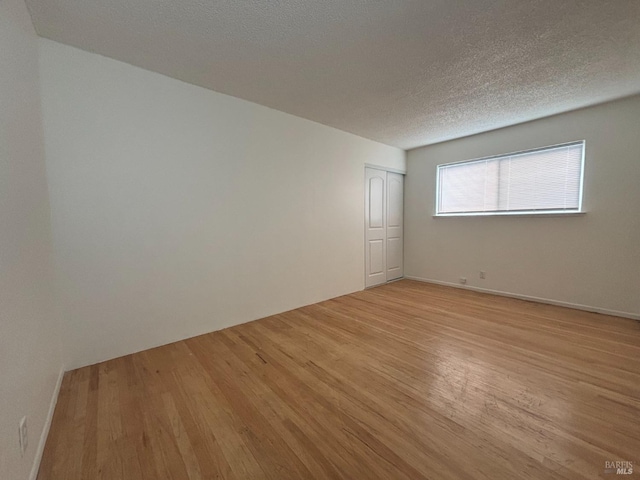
pixel 544 180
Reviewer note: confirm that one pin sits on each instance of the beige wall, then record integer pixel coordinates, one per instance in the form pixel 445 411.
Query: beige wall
pixel 30 356
pixel 179 211
pixel 591 260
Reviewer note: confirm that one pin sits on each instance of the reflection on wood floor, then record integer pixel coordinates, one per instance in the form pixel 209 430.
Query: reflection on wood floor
pixel 404 381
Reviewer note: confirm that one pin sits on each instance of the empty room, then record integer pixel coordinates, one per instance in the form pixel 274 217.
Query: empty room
pixel 319 240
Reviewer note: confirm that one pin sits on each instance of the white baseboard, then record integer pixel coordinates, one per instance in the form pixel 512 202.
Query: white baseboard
pixel 47 425
pixel 559 303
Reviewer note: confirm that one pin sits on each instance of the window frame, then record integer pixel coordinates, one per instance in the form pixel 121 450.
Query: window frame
pixel 525 213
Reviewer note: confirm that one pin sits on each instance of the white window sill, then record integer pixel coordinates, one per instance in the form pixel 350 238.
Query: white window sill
pixel 514 214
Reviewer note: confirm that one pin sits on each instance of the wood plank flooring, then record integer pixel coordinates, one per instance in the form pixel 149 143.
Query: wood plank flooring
pixel 404 381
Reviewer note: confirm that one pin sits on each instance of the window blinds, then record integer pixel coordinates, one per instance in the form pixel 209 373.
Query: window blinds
pixel 537 181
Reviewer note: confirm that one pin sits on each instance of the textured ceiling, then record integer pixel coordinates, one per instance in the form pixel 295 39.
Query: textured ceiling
pixel 405 73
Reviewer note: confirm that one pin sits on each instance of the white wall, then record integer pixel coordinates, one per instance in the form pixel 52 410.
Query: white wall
pixel 179 211
pixel 591 260
pixel 30 356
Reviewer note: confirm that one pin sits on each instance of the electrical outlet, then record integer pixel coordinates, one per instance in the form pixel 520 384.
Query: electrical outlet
pixel 483 274
pixel 23 434
pixel 463 280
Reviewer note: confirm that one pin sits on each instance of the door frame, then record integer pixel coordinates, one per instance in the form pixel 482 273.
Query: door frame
pixel 386 169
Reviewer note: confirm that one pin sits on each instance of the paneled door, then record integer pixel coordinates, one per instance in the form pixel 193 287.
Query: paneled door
pixel 395 237
pixel 384 204
pixel 375 227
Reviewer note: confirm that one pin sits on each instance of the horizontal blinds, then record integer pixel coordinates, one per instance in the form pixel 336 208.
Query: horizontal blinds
pixel 540 180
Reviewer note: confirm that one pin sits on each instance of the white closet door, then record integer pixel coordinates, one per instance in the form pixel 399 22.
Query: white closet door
pixel 395 237
pixel 375 227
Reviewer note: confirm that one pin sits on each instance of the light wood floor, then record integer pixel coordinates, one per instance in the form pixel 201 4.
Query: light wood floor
pixel 404 381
